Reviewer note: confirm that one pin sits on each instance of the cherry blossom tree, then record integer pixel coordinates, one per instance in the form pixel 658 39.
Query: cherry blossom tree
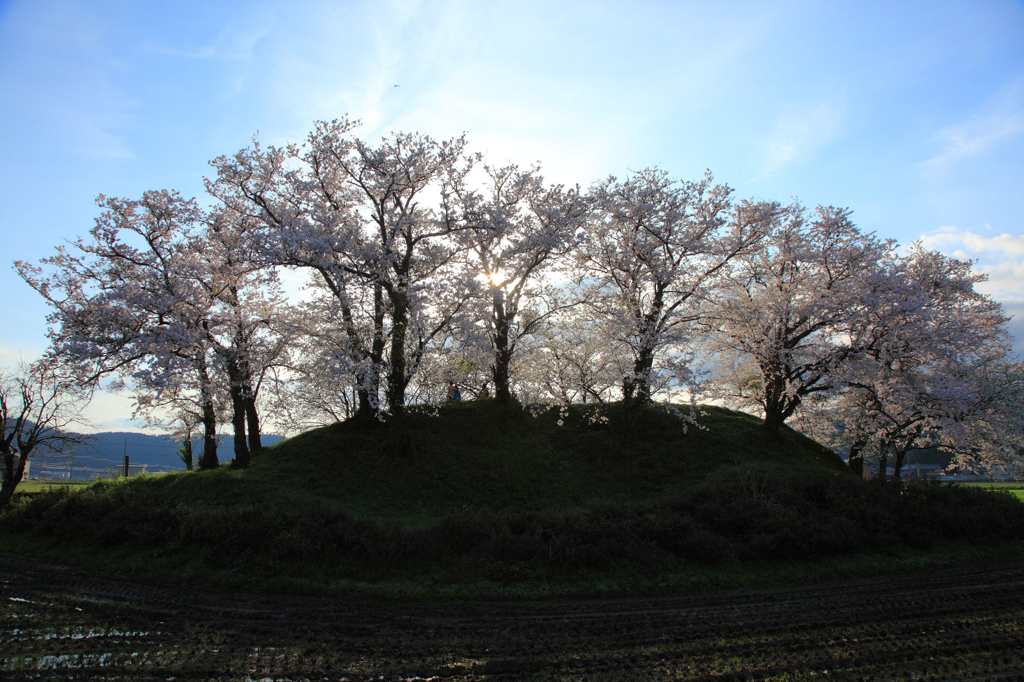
pixel 313 222
pixel 407 243
pixel 519 229
pixel 926 346
pixel 315 383
pixel 309 221
pixel 993 430
pixel 653 252
pixel 163 297
pixel 569 361
pixel 126 303
pixel 243 325
pixel 790 309
pixel 375 222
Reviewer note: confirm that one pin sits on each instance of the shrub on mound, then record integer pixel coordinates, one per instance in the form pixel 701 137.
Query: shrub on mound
pixel 750 519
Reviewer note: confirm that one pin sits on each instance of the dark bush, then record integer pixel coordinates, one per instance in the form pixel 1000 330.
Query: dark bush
pixel 808 518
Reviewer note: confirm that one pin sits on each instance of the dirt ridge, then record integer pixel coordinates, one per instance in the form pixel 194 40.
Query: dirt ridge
pixel 953 624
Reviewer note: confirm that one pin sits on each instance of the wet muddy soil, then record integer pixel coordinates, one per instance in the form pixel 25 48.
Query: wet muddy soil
pixel 59 623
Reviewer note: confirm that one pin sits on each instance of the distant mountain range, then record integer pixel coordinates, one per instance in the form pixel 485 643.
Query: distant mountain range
pixel 104 455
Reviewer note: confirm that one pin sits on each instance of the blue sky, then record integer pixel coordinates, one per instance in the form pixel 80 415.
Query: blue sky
pixel 909 113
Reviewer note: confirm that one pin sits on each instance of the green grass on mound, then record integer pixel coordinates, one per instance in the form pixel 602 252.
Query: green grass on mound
pixel 472 455
pixel 487 504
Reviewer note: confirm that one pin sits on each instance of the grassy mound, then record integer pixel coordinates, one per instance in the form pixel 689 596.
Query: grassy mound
pixel 472 455
pixel 486 502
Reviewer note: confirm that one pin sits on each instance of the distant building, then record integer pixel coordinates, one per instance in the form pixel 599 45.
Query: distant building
pixel 919 471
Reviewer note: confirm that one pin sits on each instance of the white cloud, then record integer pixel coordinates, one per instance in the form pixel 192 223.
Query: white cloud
pixel 91 140
pixel 1001 258
pixel 10 358
pixel 1005 280
pixel 1004 247
pixel 109 411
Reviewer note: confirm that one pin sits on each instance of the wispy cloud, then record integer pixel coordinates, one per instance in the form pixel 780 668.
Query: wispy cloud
pixel 9 357
pixel 91 139
pixel 234 41
pixel 800 132
pixel 587 92
pixel 1000 118
pixel 71 84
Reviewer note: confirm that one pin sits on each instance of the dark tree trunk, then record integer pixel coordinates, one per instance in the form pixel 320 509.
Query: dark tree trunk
pixel 368 385
pixel 377 349
pixel 897 468
pixel 631 408
pixel 856 459
pixel 773 422
pixel 364 408
pixel 502 357
pixel 209 459
pixel 238 425
pixel 396 375
pixel 883 463
pixel 14 471
pixel 641 385
pixel 649 330
pixel 502 389
pixel 399 441
pixel 774 398
pixel 252 419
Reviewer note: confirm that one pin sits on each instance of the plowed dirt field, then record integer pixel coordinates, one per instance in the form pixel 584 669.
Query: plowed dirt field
pixel 61 623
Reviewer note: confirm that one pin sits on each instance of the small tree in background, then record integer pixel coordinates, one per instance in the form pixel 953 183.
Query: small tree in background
pixel 38 404
pixel 185 454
